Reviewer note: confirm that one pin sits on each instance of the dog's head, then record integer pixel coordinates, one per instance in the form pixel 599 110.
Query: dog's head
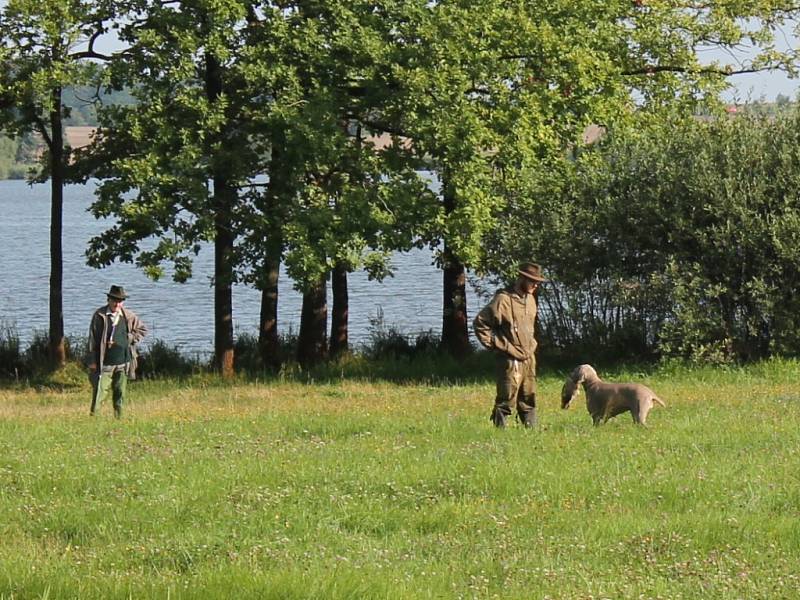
pixel 574 380
pixel 568 392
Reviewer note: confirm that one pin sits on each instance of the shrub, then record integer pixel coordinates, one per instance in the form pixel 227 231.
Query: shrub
pixel 246 355
pixel 11 363
pixel 389 342
pixel 676 237
pixel 37 354
pixel 161 359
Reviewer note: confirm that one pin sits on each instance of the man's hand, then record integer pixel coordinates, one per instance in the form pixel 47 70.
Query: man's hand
pixel 93 367
pixel 503 346
pixel 517 353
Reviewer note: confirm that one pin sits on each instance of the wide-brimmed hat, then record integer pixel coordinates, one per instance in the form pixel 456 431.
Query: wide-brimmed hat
pixel 117 292
pixel 531 271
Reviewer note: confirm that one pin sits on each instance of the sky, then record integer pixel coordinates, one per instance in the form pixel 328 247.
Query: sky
pixel 766 84
pixel 757 86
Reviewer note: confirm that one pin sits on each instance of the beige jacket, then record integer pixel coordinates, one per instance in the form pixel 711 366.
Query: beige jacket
pixel 98 337
pixel 507 324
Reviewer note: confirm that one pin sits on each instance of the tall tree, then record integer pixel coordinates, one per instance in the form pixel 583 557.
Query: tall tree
pixel 229 91
pixel 488 90
pixel 47 46
pixel 175 166
pixel 326 199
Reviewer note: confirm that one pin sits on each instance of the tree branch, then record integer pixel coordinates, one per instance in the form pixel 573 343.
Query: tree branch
pixel 90 52
pixel 40 125
pixel 379 126
pixel 652 69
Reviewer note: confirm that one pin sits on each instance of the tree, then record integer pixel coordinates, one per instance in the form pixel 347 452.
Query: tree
pixel 333 195
pixel 485 93
pixel 493 91
pixel 674 236
pixel 277 85
pixel 173 166
pixel 48 45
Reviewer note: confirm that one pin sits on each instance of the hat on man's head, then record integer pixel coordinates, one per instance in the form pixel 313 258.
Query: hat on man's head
pixel 531 271
pixel 117 292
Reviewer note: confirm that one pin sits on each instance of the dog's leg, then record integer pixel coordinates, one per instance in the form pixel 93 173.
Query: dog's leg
pixel 639 417
pixel 646 407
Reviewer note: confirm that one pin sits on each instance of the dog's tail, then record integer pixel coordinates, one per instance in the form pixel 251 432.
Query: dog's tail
pixel 658 400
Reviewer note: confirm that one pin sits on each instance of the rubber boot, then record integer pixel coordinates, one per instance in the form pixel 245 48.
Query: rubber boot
pixel 498 417
pixel 528 420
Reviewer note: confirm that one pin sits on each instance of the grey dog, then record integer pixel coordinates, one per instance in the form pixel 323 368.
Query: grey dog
pixel 607 400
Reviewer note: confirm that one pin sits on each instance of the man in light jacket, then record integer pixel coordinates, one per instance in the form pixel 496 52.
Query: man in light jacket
pixel 114 332
pixel 506 325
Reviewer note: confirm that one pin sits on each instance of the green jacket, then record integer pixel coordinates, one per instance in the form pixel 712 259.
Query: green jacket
pixel 507 324
pixel 98 337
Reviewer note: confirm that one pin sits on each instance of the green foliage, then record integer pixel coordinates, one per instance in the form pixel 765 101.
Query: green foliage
pixel 490 90
pixel 738 239
pixel 388 342
pixel 16 159
pixel 161 360
pixel 490 95
pixel 678 236
pixel 247 356
pixel 10 356
pixel 8 150
pixel 41 58
pixel 30 365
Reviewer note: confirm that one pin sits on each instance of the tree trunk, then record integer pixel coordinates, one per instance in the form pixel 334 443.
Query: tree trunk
pixel 56 345
pixel 455 336
pixel 312 342
pixel 268 341
pixel 339 318
pixel 223 203
pixel 277 193
pixel 223 277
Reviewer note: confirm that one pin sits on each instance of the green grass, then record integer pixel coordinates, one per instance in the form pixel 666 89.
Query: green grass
pixel 371 489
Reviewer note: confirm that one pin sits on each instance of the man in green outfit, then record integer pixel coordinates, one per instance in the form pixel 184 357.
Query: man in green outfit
pixel 506 325
pixel 113 334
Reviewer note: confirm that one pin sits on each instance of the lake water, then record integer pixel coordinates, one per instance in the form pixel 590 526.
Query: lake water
pixel 180 314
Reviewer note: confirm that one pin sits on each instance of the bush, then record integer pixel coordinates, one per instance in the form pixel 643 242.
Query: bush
pixel 37 354
pixel 246 355
pixel 386 342
pixel 161 359
pixel 11 363
pixel 672 237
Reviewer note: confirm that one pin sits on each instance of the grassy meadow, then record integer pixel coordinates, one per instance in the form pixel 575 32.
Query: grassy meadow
pixel 367 488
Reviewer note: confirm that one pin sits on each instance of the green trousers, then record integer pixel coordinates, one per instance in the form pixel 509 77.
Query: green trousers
pixel 114 379
pixel 516 388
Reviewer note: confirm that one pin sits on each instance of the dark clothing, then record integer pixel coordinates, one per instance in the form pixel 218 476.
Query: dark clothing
pixel 507 326
pixel 112 349
pixel 118 351
pixel 100 330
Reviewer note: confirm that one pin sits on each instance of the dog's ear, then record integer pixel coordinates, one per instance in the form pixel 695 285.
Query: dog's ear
pixel 568 392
